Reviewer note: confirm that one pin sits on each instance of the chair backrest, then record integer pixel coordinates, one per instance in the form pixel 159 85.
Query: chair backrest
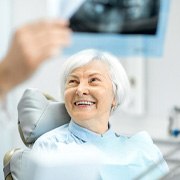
pixel 38 113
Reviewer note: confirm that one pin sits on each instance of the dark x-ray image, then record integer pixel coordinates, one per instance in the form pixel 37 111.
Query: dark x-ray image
pixel 117 16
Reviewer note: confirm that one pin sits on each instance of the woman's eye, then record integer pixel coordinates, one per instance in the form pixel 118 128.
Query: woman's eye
pixel 94 80
pixel 72 81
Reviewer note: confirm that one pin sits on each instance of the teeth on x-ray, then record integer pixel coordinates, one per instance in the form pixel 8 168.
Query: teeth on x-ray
pixel 117 16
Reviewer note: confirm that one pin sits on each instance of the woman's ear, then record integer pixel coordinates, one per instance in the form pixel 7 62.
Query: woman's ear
pixel 113 106
pixel 114 102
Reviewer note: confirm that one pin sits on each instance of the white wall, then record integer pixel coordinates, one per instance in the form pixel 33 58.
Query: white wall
pixel 163 76
pixel 26 10
pixel 5 20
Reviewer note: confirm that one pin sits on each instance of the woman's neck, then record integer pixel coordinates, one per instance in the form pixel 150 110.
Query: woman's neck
pixel 96 126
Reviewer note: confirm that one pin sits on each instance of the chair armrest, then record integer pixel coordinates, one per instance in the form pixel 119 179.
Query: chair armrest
pixel 6 163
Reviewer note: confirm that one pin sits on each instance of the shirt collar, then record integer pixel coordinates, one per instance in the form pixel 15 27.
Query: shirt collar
pixel 87 135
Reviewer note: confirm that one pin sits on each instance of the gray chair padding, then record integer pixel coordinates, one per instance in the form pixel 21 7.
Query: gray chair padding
pixel 37 114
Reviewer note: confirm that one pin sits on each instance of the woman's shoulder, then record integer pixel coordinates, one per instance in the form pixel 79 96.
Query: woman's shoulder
pixel 148 149
pixel 51 138
pixel 142 137
pixel 140 141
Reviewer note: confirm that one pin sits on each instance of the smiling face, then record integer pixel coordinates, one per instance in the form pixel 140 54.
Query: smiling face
pixel 89 96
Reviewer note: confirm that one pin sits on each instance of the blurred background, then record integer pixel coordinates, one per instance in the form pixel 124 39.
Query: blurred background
pixel 155 97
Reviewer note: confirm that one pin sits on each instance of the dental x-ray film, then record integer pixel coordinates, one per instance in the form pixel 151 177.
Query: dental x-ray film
pixel 123 27
pixel 115 16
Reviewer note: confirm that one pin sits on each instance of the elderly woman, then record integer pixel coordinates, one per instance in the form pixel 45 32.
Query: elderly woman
pixel 93 85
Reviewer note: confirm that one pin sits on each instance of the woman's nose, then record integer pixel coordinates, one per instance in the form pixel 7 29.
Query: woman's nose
pixel 82 89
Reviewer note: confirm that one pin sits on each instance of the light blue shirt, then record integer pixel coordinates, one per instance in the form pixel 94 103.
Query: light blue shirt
pixel 125 157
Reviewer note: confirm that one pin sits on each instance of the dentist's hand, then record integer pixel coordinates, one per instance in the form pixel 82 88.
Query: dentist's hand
pixel 31 45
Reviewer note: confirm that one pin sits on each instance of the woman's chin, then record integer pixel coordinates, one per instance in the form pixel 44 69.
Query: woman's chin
pixel 82 117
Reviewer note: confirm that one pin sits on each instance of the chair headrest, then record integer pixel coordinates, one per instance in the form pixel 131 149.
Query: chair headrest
pixel 38 114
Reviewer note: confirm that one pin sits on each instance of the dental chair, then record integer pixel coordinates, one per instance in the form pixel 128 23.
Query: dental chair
pixel 38 113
